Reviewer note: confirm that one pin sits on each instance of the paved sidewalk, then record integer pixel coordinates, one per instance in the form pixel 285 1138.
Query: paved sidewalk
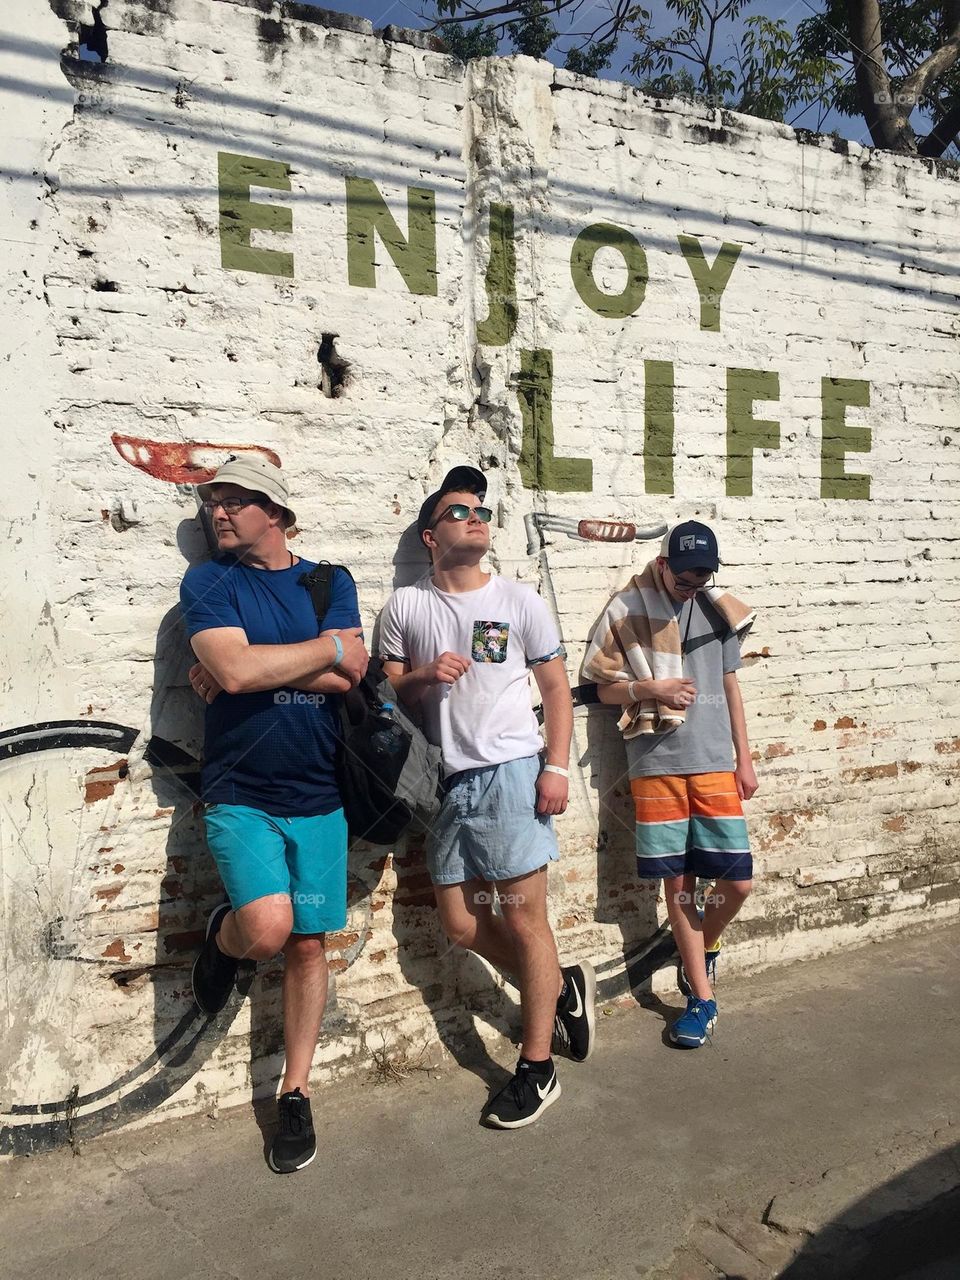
pixel 821 1126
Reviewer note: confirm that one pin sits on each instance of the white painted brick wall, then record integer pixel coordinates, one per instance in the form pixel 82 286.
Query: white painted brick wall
pixel 848 269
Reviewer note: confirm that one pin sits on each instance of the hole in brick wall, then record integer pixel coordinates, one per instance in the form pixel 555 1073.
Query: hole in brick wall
pixel 334 370
pixel 93 38
pixel 106 286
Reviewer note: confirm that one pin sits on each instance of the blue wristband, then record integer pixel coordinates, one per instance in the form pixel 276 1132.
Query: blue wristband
pixel 339 653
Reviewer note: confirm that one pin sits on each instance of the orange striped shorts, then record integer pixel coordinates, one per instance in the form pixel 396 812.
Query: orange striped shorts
pixel 691 824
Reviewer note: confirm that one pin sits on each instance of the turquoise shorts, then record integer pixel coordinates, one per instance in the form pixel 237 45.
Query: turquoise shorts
pixel 302 859
pixel 488 827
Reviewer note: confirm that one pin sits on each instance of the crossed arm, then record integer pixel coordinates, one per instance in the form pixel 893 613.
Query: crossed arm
pixel 228 662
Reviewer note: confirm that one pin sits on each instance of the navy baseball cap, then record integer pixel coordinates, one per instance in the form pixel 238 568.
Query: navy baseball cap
pixel 458 480
pixel 691 545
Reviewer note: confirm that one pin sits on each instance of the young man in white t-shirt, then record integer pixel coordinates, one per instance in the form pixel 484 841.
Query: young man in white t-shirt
pixel 459 645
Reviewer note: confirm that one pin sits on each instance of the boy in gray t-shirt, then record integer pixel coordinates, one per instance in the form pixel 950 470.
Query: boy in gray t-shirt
pixel 687 749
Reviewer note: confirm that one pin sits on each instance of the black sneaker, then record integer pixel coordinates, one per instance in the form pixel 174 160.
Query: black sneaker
pixel 214 974
pixel 522 1099
pixel 295 1142
pixel 575 1024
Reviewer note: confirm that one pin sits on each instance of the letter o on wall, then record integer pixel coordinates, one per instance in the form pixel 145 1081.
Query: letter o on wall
pixel 614 306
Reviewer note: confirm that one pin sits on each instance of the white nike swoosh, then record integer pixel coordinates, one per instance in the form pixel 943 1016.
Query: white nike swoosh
pixel 543 1092
pixel 578 1011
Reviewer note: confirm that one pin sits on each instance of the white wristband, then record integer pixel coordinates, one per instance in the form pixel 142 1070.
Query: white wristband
pixel 556 768
pixel 339 651
pixel 630 691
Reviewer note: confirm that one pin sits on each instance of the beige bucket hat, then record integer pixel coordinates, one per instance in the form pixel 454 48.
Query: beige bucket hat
pixel 256 474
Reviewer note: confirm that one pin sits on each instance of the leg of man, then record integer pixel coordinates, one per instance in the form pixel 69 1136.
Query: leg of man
pixel 523 901
pixel 688 931
pixel 259 930
pixel 723 903
pixel 305 977
pixel 248 847
pixel 468 919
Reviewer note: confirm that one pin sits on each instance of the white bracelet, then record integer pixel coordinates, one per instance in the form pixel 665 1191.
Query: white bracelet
pixel 630 691
pixel 338 651
pixel 556 768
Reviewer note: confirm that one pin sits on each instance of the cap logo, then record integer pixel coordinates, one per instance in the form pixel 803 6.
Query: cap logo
pixel 688 542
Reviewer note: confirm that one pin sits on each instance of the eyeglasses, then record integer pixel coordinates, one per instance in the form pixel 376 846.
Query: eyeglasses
pixel 693 586
pixel 460 511
pixel 230 505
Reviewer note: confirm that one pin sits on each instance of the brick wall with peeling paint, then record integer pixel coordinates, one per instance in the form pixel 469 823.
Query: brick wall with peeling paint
pixel 543 318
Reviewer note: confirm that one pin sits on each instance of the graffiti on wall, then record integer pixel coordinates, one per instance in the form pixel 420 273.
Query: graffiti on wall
pixel 414 255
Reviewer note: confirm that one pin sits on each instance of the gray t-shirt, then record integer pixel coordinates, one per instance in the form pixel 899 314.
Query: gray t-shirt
pixel 702 744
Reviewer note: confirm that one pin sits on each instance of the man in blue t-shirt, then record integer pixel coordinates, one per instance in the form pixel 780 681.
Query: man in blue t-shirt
pixel 270 678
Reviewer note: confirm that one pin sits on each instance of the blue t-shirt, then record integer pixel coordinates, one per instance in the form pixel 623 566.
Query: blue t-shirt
pixel 272 750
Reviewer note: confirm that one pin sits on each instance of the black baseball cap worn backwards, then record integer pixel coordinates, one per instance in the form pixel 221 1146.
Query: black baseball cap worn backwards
pixel 691 546
pixel 457 480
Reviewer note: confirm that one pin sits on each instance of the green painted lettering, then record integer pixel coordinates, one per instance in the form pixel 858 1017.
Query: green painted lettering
pixel 837 394
pixel 658 425
pixel 414 256
pixel 710 281
pixel 239 215
pixel 501 280
pixel 613 306
pixel 745 433
pixel 539 468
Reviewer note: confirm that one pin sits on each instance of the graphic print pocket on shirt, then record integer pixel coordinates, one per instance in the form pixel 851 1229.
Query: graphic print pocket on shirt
pixel 490 641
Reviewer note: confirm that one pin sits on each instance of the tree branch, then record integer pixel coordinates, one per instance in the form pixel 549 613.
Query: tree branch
pixel 944 131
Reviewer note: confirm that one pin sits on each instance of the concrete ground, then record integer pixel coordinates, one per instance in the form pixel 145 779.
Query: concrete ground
pixel 816 1135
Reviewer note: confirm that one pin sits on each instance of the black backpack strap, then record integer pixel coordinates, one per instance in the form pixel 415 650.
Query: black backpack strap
pixel 319 583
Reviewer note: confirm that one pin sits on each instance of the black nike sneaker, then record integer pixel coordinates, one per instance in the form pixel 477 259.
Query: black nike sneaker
pixel 522 1099
pixel 575 1024
pixel 295 1142
pixel 214 973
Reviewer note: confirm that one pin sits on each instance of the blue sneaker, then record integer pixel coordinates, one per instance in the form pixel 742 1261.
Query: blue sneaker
pixel 683 982
pixel 692 1028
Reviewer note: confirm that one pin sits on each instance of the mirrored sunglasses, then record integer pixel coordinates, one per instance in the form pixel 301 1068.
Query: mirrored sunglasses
pixel 460 511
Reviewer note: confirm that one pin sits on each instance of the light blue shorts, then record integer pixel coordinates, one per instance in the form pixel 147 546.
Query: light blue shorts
pixel 303 859
pixel 488 827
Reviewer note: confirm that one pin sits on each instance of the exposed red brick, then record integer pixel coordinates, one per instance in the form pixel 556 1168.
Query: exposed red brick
pixel 895 824
pixel 111 892
pixel 337 966
pixel 845 722
pixel 777 749
pixel 118 867
pixel 338 941
pixel 949 747
pixel 870 773
pixel 116 951
pixel 377 956
pixel 102 782
pixel 819 724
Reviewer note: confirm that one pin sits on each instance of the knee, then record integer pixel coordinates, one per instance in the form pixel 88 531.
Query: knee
pixel 305 949
pixel 734 890
pixel 266 945
pixel 460 929
pixel 263 935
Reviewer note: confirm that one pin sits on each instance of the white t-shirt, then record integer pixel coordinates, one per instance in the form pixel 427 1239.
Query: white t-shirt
pixel 504 627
